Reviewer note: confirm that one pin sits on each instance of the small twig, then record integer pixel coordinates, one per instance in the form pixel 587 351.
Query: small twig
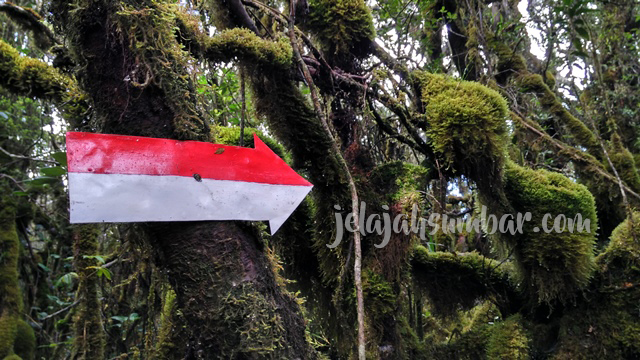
pixel 14 180
pixel 61 311
pixel 25 157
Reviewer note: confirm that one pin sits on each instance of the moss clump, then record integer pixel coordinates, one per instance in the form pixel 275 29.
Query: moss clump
pixel 10 296
pixel 343 27
pixel 508 340
pixel 398 179
pixel 552 266
pixel 607 323
pixel 466 126
pixel 379 295
pixel 25 343
pixel 509 63
pixel 454 282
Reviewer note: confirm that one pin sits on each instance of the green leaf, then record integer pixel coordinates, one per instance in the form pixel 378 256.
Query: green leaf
pixel 104 272
pixel 53 171
pixel 119 318
pixel 44 267
pixel 97 257
pixel 60 157
pixel 20 193
pixel 583 33
pixel 39 181
pixel 66 279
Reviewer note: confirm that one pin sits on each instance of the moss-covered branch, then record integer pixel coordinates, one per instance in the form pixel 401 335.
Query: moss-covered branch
pixel 513 65
pixel 457 281
pixel 230 44
pixel 587 162
pixel 535 83
pixel 31 77
pixel 28 19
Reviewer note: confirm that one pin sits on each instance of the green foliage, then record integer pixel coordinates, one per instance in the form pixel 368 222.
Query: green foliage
pixel 89 340
pixel 552 266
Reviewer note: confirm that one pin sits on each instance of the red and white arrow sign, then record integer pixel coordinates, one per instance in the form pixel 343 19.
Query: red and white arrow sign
pixel 114 178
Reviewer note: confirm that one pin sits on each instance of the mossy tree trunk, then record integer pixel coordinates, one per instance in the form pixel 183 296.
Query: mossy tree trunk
pixel 89 339
pixel 224 284
pixel 10 294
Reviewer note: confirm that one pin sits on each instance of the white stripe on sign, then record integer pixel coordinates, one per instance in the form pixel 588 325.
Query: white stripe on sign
pixel 142 198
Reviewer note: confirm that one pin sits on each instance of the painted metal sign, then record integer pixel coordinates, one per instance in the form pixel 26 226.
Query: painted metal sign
pixel 115 178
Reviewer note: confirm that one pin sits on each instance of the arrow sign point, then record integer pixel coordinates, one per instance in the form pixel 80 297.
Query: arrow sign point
pixel 294 197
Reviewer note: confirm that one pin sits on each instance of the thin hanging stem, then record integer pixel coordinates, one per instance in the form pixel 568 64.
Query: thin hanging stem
pixel 355 208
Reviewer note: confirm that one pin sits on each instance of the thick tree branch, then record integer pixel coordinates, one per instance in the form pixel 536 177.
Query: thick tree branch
pixel 30 20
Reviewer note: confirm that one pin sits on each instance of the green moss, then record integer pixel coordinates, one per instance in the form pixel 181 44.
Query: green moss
pixel 398 179
pixel 509 62
pixel 235 43
pixel 165 345
pixel 466 126
pixel 508 340
pixel 581 133
pixel 379 295
pixel 25 343
pixel 624 163
pixel 607 323
pixel 552 266
pixel 456 281
pixel 343 27
pixel 470 345
pixel 161 61
pixel 10 295
pixel 231 136
pixel 550 79
pixel 31 77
